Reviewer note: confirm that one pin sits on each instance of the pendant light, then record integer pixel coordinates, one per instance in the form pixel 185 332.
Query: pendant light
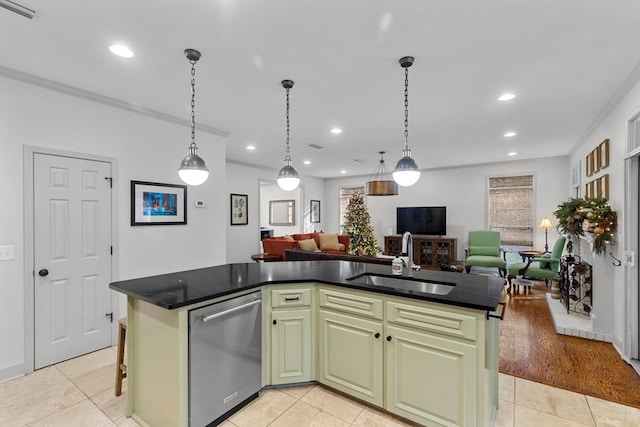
pixel 288 178
pixel 193 170
pixel 381 183
pixel 406 172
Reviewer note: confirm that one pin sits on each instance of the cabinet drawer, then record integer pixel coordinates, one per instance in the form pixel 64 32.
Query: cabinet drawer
pixel 290 297
pixel 432 319
pixel 351 303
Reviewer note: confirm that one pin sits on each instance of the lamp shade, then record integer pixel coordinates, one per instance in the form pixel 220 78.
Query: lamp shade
pixel 193 170
pixel 406 172
pixel 545 223
pixel 381 183
pixel 288 178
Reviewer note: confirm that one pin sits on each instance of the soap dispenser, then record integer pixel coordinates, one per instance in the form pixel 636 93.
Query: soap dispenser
pixel 396 266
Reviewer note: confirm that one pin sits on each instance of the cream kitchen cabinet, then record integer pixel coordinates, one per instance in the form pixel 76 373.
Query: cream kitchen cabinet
pixel 420 360
pixel 291 333
pixel 350 357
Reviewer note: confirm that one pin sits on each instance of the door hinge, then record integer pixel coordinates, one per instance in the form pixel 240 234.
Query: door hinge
pixel 108 178
pixel 110 316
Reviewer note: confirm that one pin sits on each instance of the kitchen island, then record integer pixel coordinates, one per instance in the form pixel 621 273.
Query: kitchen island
pixel 426 355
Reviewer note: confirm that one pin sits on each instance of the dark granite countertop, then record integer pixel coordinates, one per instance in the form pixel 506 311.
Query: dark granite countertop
pixel 175 290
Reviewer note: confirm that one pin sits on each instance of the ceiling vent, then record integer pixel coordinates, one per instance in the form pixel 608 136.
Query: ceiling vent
pixel 316 146
pixel 18 8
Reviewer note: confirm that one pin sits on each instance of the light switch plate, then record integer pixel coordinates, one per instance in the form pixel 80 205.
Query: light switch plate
pixel 6 252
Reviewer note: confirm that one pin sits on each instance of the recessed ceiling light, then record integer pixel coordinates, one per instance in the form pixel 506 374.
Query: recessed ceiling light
pixel 343 171
pixel 250 147
pixel 506 97
pixel 510 134
pixel 513 153
pixel 307 162
pixel 336 131
pixel 121 50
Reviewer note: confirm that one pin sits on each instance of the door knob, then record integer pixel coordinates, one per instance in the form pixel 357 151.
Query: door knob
pixel 43 272
pixel 377 335
pixel 275 322
pixel 389 338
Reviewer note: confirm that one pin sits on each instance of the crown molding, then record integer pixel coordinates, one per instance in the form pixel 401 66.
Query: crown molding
pixel 618 96
pixel 101 99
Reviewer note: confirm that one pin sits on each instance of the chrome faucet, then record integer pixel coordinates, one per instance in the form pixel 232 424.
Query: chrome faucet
pixel 407 248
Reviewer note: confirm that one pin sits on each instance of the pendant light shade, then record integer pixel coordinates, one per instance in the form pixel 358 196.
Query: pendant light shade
pixel 406 172
pixel 381 182
pixel 193 170
pixel 288 178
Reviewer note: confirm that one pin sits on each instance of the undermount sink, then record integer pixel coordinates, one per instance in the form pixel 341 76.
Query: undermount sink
pixel 414 284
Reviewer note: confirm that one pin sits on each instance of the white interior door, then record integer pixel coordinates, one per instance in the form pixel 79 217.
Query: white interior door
pixel 72 257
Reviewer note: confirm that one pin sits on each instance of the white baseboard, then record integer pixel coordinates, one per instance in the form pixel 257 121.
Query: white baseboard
pixel 11 372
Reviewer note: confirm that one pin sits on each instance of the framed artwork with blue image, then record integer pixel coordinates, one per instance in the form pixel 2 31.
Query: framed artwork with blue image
pixel 154 203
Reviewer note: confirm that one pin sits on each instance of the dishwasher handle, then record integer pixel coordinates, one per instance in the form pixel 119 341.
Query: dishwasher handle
pixel 231 310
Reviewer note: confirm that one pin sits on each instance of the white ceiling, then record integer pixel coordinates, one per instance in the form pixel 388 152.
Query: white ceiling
pixel 565 60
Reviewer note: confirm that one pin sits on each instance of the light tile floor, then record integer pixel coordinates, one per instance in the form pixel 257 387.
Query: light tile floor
pixel 79 392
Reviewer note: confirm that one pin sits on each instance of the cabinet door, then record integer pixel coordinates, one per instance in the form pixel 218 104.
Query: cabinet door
pixel 392 245
pixel 291 346
pixel 350 355
pixel 430 379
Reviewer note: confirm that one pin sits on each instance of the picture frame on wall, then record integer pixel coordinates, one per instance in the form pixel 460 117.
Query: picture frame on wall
pixel 604 153
pixel 239 209
pixel 154 203
pixel 314 211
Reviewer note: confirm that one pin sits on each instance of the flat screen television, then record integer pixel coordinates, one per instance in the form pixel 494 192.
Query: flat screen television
pixel 426 220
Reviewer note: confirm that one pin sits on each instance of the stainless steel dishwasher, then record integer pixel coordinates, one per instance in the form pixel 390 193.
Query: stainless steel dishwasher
pixel 225 358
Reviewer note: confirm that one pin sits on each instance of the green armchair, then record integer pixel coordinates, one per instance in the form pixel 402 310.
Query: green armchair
pixel 545 267
pixel 484 251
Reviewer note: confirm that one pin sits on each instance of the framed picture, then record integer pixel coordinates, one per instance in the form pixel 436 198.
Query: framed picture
pixel 314 211
pixel 605 186
pixel 598 156
pixel 239 209
pixel 590 164
pixel 604 153
pixel 153 203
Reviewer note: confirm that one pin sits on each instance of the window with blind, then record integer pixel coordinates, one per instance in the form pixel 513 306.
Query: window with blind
pixel 345 195
pixel 511 209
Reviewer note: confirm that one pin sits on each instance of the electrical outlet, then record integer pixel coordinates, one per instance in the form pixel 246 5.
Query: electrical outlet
pixel 6 252
pixel 199 203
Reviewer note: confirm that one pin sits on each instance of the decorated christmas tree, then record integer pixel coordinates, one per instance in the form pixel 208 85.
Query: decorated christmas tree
pixel 358 228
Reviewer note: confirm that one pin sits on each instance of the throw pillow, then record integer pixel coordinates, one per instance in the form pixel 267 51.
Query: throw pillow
pixel 308 245
pixel 341 247
pixel 329 242
pixel 287 237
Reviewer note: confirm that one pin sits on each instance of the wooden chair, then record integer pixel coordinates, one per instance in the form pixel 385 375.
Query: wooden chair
pixel 121 366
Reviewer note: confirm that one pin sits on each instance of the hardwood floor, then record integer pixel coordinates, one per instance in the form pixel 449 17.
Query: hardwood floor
pixel 531 349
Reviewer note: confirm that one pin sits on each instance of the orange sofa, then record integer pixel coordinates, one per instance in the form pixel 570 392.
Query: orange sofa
pixel 277 245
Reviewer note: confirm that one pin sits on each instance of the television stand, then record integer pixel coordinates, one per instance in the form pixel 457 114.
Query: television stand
pixel 428 251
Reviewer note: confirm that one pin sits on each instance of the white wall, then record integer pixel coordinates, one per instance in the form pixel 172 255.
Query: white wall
pixel 243 241
pixel 609 281
pixel 145 148
pixel 463 191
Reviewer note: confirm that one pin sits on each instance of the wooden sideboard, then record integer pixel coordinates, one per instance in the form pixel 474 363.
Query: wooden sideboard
pixel 428 251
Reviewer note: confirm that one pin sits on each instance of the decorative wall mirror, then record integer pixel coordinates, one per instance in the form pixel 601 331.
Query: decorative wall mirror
pixel 282 212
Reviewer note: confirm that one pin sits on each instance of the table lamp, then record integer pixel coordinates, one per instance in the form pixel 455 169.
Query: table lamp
pixel 546 224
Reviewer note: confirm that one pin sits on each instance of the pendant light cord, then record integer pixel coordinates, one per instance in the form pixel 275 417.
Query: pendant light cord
pixel 287 149
pixel 192 146
pixel 406 108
